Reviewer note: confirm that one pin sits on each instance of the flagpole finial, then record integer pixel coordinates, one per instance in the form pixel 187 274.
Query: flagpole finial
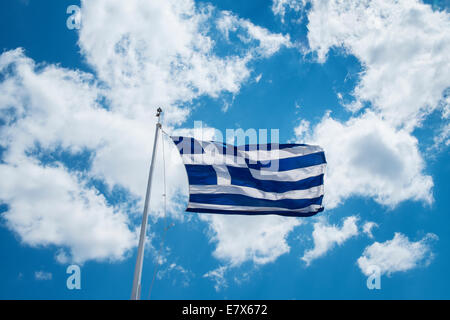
pixel 158 115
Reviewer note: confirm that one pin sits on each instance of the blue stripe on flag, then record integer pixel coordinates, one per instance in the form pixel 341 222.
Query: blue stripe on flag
pixel 201 174
pixel 241 200
pixel 252 213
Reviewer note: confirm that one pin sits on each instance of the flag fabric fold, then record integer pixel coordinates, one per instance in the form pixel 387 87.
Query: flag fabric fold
pixel 261 179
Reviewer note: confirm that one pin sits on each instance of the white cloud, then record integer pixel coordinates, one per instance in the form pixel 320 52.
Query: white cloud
pixel 268 43
pixel 245 238
pixel 402 45
pixel 280 7
pixel 326 236
pixel 303 128
pixel 161 52
pixel 42 275
pixel 367 228
pixel 442 138
pixel 398 254
pixel 176 273
pixel 157 53
pixel 218 276
pixel 49 206
pixel 368 157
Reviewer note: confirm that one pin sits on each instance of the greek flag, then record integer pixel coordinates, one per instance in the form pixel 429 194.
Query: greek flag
pixel 282 179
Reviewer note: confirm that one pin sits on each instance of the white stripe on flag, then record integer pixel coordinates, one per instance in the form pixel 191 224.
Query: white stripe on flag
pixel 290 175
pixel 267 155
pixel 214 159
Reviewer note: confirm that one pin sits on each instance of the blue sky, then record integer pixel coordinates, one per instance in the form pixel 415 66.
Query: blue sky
pixel 368 82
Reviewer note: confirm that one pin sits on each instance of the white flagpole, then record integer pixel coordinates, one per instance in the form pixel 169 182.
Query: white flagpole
pixel 136 293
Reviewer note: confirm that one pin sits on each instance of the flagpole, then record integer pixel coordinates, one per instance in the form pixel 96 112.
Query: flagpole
pixel 136 293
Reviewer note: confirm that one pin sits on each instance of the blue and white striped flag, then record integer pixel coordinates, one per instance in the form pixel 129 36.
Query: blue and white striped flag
pixel 282 179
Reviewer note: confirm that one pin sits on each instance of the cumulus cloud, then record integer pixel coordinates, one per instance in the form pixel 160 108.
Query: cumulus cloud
pixel 177 273
pixel 402 45
pixel 157 53
pixel 368 157
pixel 245 238
pixel 49 206
pixel 367 228
pixel 442 138
pixel 267 43
pixel 281 7
pixel 396 255
pixel 326 237
pixel 162 52
pixel 218 276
